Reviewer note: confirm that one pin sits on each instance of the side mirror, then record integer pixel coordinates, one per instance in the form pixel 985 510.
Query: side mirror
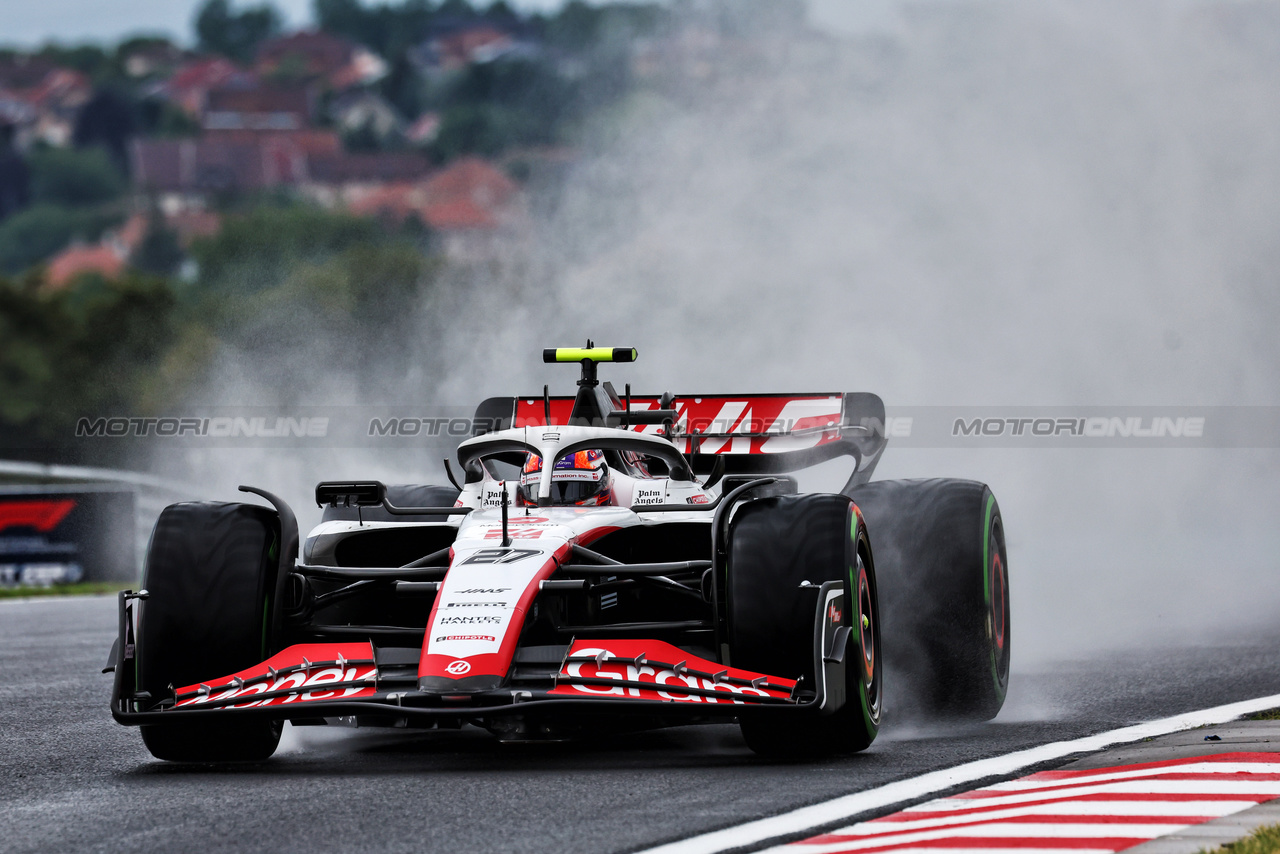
pixel 717 472
pixel 364 493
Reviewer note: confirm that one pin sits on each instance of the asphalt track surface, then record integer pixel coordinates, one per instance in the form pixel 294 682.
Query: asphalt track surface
pixel 73 780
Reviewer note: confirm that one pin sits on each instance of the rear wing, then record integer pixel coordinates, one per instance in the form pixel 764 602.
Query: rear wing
pixel 751 433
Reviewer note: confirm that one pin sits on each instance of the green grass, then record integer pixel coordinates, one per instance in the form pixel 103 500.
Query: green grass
pixel 1264 840
pixel 100 588
pixel 1268 715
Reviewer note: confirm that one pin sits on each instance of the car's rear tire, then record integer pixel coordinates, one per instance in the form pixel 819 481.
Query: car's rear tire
pixel 210 578
pixel 944 586
pixel 775 544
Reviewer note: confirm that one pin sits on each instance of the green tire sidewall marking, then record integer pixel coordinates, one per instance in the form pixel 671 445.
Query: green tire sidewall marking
pixel 137 648
pixel 864 704
pixel 266 605
pixel 986 590
pixel 867 720
pixel 273 553
pixel 137 622
pixel 137 667
pixel 986 551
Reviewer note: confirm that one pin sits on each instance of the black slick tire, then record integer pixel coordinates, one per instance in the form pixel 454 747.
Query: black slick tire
pixel 944 586
pixel 210 575
pixel 775 544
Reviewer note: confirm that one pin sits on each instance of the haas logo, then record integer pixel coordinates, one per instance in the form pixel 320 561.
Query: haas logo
pixel 458 668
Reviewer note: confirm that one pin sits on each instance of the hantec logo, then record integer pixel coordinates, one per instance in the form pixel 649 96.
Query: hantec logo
pixel 458 668
pixel 471 620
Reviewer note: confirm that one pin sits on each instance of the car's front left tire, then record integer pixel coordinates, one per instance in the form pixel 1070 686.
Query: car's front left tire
pixel 210 579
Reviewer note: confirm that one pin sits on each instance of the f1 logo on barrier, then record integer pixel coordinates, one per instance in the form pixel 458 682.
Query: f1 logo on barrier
pixel 43 516
pixel 458 668
pixel 500 555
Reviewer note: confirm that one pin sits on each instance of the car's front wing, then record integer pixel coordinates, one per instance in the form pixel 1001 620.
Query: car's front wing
pixel 306 682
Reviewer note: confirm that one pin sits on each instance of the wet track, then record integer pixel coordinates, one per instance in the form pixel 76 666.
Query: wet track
pixel 74 780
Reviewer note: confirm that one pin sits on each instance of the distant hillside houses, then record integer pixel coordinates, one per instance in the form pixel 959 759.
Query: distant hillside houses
pixel 251 160
pixel 319 57
pixel 40 100
pixel 397 111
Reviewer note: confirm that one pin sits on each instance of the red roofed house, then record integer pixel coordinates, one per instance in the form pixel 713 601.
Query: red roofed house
pixel 317 55
pixel 240 160
pixel 190 85
pixel 257 127
pixel 470 194
pixel 107 258
pixel 229 160
pixel 470 203
pixel 57 101
pixel 79 259
pixel 42 99
pixel 261 108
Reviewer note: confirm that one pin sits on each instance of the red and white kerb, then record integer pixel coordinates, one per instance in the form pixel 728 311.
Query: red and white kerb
pixel 1101 809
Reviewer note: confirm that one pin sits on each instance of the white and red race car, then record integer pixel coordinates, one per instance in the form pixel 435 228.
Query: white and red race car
pixel 607 562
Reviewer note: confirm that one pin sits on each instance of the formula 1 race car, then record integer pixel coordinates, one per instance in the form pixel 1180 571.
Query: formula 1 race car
pixel 607 562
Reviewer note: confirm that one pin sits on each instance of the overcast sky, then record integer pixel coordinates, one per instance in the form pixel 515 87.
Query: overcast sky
pixel 30 23
pixel 33 22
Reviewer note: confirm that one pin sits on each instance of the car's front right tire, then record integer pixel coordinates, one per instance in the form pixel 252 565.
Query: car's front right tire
pixel 776 544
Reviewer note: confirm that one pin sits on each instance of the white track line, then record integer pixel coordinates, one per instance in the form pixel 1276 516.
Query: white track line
pixel 846 806
pixel 60 597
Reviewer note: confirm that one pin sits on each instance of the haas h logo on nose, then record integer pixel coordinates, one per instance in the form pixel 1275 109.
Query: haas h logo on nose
pixel 457 668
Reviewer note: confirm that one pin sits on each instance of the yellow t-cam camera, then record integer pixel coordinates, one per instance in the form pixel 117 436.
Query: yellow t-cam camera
pixel 590 354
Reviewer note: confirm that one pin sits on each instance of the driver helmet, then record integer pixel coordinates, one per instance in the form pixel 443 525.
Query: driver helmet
pixel 580 479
